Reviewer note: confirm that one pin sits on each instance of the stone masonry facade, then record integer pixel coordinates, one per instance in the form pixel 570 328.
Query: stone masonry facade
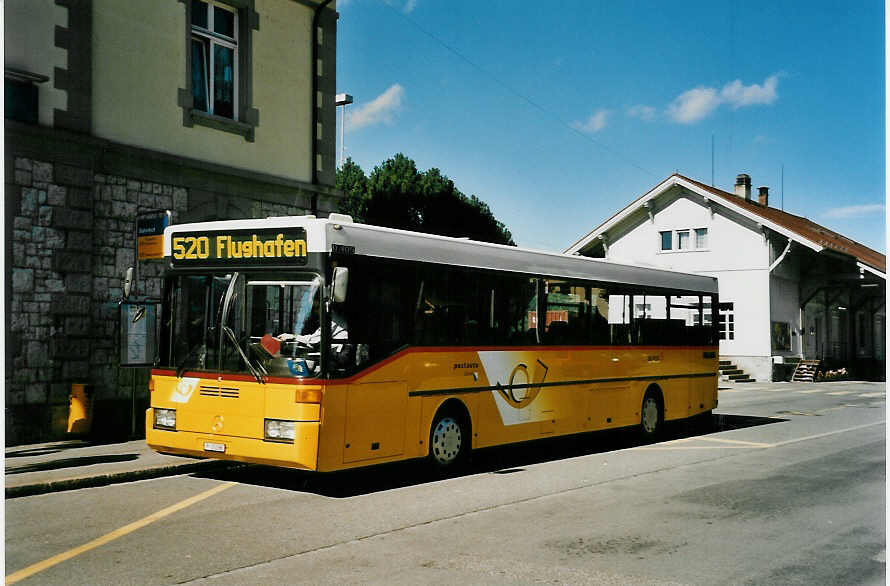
pixel 73 238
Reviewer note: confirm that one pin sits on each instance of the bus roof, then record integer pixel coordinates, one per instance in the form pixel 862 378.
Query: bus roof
pixel 366 239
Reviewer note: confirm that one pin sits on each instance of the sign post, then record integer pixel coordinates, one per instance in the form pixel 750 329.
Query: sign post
pixel 139 319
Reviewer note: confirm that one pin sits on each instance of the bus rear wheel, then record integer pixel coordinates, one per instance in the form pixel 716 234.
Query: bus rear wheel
pixel 449 441
pixel 651 417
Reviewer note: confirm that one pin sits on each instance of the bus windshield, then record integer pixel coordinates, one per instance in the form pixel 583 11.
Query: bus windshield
pixel 245 323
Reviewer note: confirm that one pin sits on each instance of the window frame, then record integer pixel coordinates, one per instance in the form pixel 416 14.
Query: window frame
pixel 683 240
pixel 245 118
pixel 680 234
pixel 697 232
pixel 214 38
pixel 726 320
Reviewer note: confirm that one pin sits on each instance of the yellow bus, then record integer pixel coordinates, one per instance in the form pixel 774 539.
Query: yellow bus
pixel 323 344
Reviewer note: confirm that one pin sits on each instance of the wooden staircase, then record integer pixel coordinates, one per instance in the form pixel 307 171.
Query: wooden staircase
pixel 806 371
pixel 730 371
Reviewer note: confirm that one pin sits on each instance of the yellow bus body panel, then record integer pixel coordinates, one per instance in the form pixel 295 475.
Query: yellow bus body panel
pixel 385 413
pixel 232 413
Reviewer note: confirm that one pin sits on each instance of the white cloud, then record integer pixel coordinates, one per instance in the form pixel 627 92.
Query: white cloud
pixel 642 112
pixel 698 103
pixel 693 105
pixel 380 109
pixel 858 211
pixel 595 123
pixel 738 95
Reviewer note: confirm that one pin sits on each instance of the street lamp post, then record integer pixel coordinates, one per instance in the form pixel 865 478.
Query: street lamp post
pixel 342 100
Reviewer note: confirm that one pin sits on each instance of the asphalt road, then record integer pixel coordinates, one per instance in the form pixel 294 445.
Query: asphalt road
pixel 789 489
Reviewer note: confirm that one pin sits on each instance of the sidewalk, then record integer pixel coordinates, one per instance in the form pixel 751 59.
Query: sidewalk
pixel 73 464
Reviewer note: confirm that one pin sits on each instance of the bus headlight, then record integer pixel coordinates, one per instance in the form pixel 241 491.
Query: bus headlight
pixel 165 418
pixel 281 431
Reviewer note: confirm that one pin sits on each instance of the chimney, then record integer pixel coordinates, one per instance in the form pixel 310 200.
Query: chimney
pixel 743 186
pixel 763 196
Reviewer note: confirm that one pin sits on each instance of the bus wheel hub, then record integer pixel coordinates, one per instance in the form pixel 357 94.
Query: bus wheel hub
pixel 446 440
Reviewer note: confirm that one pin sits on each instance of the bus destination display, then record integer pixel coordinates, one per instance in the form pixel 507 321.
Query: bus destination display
pixel 267 247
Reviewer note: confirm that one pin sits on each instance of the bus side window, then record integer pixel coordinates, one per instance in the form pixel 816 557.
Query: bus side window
pixel 685 313
pixel 651 326
pixel 568 313
pixel 599 316
pixel 619 319
pixel 523 301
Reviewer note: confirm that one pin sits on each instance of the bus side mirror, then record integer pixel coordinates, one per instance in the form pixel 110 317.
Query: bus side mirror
pixel 339 283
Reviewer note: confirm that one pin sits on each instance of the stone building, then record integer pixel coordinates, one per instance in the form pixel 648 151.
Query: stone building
pixel 211 109
pixel 790 289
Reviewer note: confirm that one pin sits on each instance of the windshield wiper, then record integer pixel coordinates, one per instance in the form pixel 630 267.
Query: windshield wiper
pixel 198 350
pixel 253 370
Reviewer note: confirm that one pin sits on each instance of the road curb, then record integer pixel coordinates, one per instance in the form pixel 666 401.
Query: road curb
pixel 116 478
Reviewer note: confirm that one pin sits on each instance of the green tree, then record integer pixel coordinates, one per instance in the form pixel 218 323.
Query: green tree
pixel 397 195
pixel 352 181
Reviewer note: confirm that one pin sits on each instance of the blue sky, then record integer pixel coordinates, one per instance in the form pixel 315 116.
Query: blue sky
pixel 559 114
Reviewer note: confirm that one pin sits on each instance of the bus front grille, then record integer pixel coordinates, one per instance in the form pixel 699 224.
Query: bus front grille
pixel 224 392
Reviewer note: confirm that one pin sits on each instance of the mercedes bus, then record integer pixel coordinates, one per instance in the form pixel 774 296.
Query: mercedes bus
pixel 325 344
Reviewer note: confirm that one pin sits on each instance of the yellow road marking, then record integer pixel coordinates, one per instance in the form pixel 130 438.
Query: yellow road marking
pixel 827 433
pixel 58 559
pixel 702 447
pixel 739 442
pixel 750 445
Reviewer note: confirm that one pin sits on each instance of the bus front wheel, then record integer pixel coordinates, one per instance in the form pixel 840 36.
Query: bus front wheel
pixel 651 416
pixel 449 441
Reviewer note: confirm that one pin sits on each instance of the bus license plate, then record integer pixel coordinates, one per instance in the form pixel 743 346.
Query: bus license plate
pixel 214 447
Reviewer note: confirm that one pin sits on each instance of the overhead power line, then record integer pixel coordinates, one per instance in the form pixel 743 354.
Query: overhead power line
pixel 612 151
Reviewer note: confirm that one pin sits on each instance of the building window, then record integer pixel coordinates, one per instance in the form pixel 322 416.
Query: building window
pixel 682 239
pixel 21 95
pixel 214 58
pixel 726 323
pixel 701 237
pixel 218 66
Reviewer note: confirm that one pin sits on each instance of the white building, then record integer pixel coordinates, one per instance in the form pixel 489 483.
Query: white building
pixel 790 289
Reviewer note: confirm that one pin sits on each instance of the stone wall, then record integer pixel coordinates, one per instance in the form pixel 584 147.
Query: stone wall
pixel 73 237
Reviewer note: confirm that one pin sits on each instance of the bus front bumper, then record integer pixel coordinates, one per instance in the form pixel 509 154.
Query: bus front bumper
pixel 302 453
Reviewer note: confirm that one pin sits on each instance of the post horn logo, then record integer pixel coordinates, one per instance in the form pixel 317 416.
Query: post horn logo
pixel 522 391
pixel 217 424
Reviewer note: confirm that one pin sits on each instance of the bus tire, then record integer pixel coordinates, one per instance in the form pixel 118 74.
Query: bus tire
pixel 651 415
pixel 449 440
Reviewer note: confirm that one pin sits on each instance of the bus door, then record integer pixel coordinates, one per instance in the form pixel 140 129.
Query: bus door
pixel 375 420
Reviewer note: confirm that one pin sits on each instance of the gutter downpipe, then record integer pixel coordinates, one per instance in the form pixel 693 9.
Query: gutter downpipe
pixel 314 101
